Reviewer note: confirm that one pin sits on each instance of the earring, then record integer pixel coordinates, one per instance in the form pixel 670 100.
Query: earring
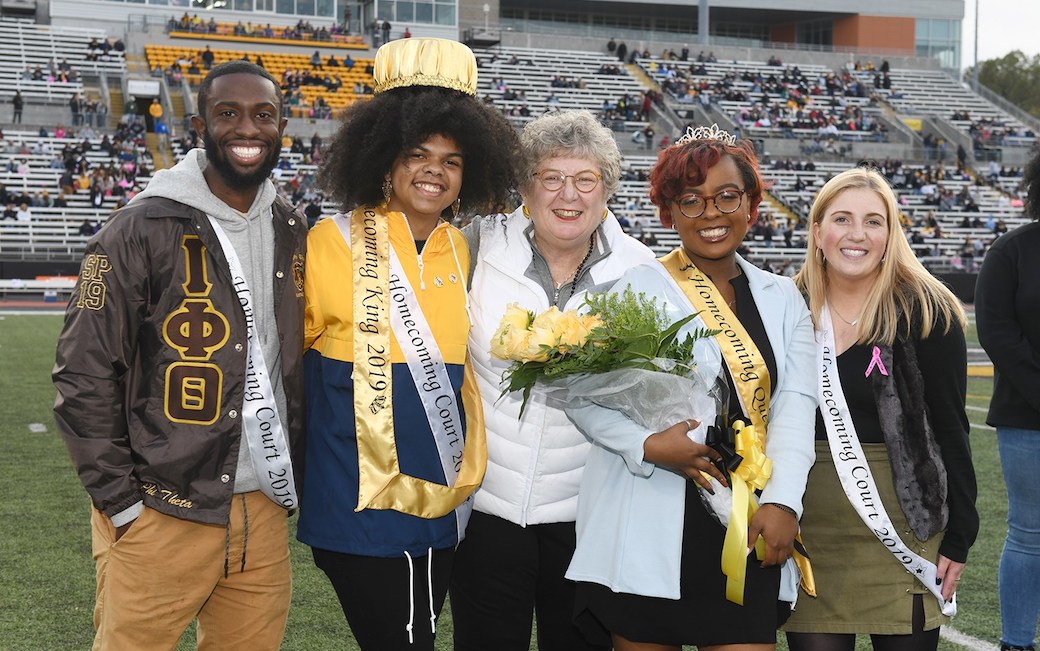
pixel 749 218
pixel 455 206
pixel 523 208
pixel 387 189
pixel 605 212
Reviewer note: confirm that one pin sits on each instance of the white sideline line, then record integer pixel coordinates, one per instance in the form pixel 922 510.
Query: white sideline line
pixel 963 639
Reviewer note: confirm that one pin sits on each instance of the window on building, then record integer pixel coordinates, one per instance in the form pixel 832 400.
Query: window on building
pixel 939 39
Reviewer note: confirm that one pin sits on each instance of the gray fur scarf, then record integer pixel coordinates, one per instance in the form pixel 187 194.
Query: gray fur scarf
pixel 917 466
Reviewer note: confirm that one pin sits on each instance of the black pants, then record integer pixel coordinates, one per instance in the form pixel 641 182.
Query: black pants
pixel 505 574
pixel 374 593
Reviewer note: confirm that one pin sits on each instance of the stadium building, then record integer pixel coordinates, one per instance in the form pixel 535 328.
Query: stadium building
pixel 927 29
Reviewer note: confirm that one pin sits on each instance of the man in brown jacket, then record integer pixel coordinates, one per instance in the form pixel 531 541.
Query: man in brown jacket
pixel 179 382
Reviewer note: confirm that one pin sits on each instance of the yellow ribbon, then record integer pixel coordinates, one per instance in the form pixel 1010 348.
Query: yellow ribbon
pixel 751 475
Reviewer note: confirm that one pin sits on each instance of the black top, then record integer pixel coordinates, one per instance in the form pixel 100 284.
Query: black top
pixel 942 358
pixel 859 394
pixel 1007 311
pixel 749 317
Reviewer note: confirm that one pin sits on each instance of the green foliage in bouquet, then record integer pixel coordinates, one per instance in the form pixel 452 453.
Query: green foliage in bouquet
pixel 617 331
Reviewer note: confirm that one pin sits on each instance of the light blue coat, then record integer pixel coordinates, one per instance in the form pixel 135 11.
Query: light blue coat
pixel 630 513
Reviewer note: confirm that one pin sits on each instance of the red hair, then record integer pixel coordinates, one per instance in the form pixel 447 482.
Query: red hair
pixel 682 166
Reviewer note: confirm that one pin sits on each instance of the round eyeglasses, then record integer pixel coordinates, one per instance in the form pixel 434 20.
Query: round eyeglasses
pixel 553 180
pixel 693 205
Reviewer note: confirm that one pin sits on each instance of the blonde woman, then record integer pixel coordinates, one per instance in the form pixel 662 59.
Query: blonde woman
pixel 891 435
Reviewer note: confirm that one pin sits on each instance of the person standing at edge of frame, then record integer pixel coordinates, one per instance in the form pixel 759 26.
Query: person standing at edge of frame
pixel 1007 310
pixel 180 387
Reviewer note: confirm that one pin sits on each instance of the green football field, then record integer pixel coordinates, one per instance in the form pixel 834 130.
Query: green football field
pixel 47 575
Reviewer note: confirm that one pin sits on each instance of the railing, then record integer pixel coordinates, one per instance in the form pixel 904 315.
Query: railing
pixel 1026 118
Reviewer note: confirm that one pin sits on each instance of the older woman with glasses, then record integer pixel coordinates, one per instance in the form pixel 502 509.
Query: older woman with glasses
pixel 650 556
pixel 559 244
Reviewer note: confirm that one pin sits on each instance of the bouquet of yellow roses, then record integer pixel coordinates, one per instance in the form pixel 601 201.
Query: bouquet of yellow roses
pixel 613 332
pixel 621 353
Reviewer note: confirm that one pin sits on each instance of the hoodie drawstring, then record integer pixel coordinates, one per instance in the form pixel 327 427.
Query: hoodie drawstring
pixel 429 588
pixel 418 255
pixel 411 597
pixel 411 594
pixel 458 268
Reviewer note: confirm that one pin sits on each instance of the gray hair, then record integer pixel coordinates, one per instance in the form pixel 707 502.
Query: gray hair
pixel 571 133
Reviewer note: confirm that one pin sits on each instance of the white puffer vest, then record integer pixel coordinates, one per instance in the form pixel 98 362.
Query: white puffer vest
pixel 535 463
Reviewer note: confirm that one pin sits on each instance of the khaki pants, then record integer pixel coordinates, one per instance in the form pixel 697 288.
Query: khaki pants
pixel 164 572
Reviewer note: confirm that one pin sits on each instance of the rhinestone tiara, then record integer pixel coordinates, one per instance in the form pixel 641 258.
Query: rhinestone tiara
pixel 707 133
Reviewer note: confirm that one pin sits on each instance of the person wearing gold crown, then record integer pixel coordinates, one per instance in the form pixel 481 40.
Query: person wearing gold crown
pixel 654 565
pixel 395 427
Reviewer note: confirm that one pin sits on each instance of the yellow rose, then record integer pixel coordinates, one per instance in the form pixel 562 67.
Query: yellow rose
pixel 572 330
pixel 517 317
pixel 548 319
pixel 510 345
pixel 543 333
pixel 510 339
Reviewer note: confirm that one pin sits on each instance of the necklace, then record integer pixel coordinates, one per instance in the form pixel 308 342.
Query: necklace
pixel 574 274
pixel 851 323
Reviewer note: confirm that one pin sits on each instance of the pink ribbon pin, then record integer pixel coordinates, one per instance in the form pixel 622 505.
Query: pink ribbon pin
pixel 875 361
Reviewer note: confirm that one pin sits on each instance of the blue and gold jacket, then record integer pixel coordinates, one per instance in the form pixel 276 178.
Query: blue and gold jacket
pixel 329 516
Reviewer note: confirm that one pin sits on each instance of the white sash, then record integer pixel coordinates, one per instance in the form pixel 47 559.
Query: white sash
pixel 852 468
pixel 425 363
pixel 261 423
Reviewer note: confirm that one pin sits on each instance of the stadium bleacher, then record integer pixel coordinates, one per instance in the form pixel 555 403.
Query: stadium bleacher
pixel 934 92
pixel 187 59
pixel 769 100
pixel 540 80
pixel 948 211
pixel 26 46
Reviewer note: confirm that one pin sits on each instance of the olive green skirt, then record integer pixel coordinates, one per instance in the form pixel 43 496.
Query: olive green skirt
pixel 860 586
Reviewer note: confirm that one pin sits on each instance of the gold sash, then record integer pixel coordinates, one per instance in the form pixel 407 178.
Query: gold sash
pixel 751 379
pixel 381 483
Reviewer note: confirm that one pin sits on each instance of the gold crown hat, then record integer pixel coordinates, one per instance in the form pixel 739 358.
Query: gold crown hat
pixel 425 62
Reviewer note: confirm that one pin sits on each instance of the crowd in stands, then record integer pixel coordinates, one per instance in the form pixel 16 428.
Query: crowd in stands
pixel 104 49
pixel 994 132
pixel 631 109
pixel 314 87
pixel 785 99
pixel 98 168
pixel 293 79
pixel 61 72
pixel 620 50
pixel 302 31
pixel 513 60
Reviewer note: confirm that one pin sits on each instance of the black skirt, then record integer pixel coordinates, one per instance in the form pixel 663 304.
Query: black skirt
pixel 702 616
